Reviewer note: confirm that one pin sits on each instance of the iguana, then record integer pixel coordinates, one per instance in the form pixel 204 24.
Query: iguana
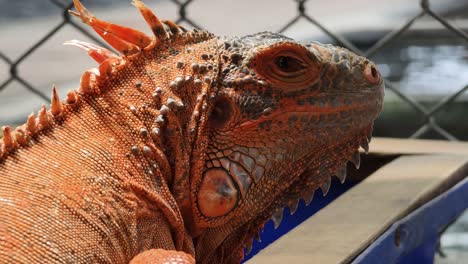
pixel 181 147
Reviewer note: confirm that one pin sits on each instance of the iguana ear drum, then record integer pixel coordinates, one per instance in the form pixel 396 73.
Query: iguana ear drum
pixel 222 112
pixel 218 194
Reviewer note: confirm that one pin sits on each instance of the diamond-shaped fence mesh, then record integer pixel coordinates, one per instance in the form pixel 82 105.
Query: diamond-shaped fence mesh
pixel 430 115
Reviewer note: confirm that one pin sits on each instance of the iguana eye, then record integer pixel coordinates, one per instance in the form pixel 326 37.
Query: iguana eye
pixel 289 64
pixel 286 65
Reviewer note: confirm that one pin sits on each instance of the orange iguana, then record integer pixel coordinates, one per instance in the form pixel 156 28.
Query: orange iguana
pixel 181 147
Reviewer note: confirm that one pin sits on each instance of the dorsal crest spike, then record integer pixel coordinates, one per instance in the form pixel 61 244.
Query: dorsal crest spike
pixel 31 124
pixel 108 66
pixel 72 97
pixel 277 217
pixel 122 46
pixel 43 117
pixel 356 159
pixel 56 107
pixel 83 13
pixel 248 247
pixel 293 205
pixel 365 145
pixel 21 136
pixel 153 21
pixel 173 27
pixel 126 40
pixel 341 174
pixel 88 81
pixel 8 138
pixel 326 186
pixel 308 195
pixel 99 54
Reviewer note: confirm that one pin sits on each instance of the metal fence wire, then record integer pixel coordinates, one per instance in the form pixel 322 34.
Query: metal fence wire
pixel 428 113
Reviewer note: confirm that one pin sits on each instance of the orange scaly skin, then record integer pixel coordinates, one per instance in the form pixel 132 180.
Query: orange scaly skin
pixel 181 147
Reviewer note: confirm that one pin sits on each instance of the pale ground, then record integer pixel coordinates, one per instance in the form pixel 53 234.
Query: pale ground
pixel 23 24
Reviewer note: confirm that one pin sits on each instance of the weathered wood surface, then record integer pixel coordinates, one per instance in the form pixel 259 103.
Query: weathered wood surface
pixel 340 231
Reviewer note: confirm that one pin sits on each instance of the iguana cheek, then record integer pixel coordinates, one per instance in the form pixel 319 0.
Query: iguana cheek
pixel 217 195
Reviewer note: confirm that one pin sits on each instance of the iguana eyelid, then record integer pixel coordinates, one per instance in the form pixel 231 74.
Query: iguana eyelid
pixel 266 66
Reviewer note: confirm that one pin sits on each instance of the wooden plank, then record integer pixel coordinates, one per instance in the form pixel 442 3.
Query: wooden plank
pixel 416 146
pixel 337 233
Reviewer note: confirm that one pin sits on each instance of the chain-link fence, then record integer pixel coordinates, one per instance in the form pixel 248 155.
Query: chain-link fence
pixel 428 120
pixel 421 119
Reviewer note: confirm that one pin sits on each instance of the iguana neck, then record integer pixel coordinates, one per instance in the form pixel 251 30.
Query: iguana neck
pixel 157 128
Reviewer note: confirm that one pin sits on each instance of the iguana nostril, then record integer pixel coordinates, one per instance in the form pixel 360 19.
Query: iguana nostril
pixel 374 72
pixel 371 74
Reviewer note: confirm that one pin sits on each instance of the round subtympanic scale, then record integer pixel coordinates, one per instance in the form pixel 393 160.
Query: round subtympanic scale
pixel 218 194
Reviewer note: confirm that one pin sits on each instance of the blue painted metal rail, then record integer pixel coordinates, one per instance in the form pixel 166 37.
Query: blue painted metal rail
pixel 413 238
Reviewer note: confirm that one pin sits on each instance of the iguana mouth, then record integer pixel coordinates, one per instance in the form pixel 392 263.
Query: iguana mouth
pixel 316 111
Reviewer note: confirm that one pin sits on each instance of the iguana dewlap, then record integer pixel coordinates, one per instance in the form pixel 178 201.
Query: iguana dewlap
pixel 181 147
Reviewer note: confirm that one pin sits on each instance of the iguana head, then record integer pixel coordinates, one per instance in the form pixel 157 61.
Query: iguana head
pixel 285 117
pixel 243 126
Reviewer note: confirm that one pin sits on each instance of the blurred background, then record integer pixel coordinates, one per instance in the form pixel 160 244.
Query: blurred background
pixel 420 47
